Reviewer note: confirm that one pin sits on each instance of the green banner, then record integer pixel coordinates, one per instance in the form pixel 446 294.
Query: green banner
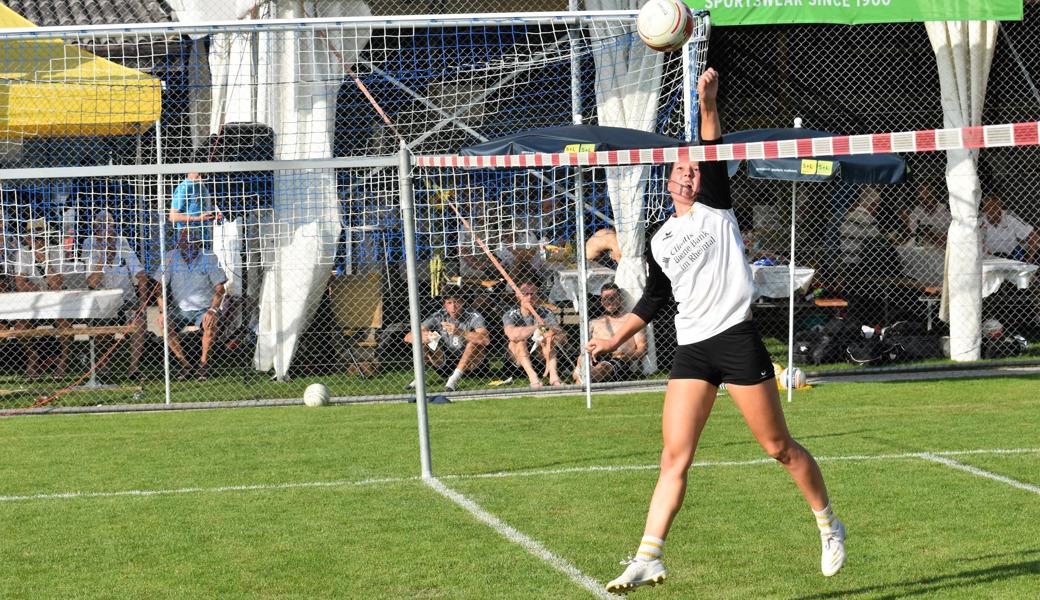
pixel 854 12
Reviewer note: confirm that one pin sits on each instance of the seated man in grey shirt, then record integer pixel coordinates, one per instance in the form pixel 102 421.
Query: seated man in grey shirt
pixel 454 340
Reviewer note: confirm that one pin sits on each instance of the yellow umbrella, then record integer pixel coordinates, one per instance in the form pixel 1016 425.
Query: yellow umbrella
pixel 50 88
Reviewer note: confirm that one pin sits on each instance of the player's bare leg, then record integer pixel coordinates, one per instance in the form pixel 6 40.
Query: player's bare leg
pixel 760 405
pixel 687 405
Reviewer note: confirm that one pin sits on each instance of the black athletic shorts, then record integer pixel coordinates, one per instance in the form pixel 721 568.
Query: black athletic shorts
pixel 735 356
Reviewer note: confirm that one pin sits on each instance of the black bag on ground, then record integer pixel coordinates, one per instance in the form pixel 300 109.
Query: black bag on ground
pixel 826 344
pixel 1003 346
pixel 870 352
pixel 910 340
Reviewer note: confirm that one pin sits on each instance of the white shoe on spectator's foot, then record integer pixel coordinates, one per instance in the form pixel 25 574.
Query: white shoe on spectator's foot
pixel 833 555
pixel 638 573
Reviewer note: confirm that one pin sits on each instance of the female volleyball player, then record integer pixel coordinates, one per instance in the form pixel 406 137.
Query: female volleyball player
pixel 697 257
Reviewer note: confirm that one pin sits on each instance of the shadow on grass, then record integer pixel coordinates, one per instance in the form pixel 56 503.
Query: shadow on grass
pixel 949 581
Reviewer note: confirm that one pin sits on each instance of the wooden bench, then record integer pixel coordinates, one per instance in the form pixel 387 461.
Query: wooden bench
pixel 80 331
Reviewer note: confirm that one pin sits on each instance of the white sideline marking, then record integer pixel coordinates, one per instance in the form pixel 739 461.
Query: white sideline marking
pixel 980 472
pixel 533 546
pixel 588 469
pixel 209 490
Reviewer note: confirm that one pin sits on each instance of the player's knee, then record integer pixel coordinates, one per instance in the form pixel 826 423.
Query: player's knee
pixel 783 450
pixel 676 459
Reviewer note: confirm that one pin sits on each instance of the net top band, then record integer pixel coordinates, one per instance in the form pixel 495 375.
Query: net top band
pixel 926 140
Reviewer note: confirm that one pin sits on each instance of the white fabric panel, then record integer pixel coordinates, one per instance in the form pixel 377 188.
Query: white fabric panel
pixel 227 245
pixel 963 53
pixel 302 115
pixel 621 102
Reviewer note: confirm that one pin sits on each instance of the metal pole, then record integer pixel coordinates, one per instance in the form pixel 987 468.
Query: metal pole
pixel 691 102
pixel 790 288
pixel 408 219
pixel 160 204
pixel 583 286
pixel 579 210
pixel 575 41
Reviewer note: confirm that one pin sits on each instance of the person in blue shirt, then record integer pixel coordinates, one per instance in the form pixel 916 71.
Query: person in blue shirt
pixel 189 203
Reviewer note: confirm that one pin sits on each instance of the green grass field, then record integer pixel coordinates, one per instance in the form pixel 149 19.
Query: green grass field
pixel 293 502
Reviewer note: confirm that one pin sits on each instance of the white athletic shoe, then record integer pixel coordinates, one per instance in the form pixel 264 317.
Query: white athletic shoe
pixel 637 573
pixel 833 556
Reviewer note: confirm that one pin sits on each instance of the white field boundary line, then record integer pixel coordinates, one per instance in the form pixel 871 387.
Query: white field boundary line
pixel 925 140
pixel 261 487
pixel 533 546
pixel 953 464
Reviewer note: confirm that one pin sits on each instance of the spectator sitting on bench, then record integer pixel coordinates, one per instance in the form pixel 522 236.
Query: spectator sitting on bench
pixel 623 363
pixel 454 340
pixel 1005 234
pixel 196 283
pixel 928 222
pixel 39 265
pixel 112 264
pixel 543 333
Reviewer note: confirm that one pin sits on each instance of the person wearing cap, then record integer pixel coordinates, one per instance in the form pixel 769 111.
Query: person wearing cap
pixel 113 264
pixel 40 265
pixel 196 284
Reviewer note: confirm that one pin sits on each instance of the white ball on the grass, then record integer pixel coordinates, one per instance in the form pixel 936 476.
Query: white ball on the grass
pixel 664 25
pixel 316 394
pixel 792 377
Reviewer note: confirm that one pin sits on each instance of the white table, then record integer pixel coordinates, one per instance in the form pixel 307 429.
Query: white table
pixel 773 281
pixel 566 283
pixel 926 264
pixel 996 271
pixel 61 304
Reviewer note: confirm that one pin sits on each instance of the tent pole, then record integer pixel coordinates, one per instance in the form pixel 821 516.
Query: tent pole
pixel 790 288
pixel 579 210
pixel 160 205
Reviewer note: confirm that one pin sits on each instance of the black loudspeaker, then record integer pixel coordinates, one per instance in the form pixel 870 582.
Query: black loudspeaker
pixel 240 191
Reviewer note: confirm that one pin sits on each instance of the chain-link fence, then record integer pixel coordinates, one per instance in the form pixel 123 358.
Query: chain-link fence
pixel 295 165
pixel 251 242
pixel 875 254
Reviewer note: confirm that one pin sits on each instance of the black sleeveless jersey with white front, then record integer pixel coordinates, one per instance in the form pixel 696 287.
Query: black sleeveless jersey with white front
pixel 698 259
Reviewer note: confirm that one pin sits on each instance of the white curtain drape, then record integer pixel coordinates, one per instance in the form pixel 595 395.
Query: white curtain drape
pixel 289 80
pixel 627 96
pixel 963 53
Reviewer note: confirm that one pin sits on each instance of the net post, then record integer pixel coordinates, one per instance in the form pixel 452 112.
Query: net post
pixel 418 367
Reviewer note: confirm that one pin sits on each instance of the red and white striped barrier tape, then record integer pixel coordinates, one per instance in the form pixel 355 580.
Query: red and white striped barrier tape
pixel 927 140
